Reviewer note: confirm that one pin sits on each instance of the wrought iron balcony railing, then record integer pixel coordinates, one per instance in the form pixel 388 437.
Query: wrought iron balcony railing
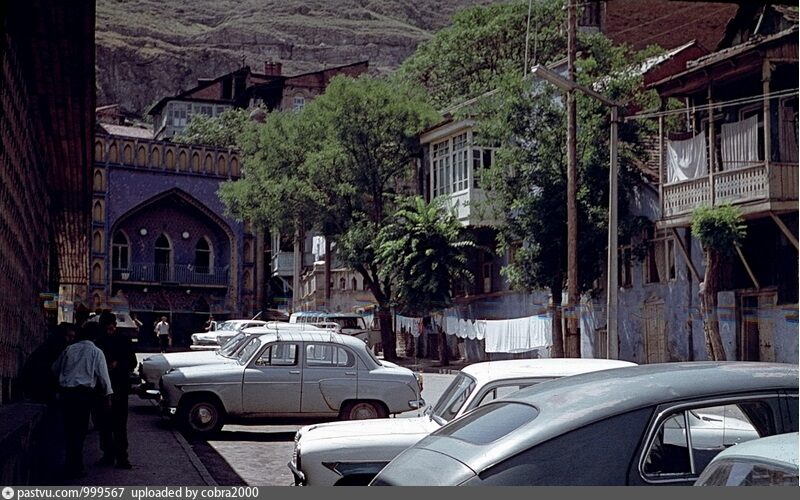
pixel 182 274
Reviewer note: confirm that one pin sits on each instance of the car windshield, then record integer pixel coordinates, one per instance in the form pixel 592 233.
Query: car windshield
pixel 229 347
pixel 453 398
pixel 248 350
pixel 350 322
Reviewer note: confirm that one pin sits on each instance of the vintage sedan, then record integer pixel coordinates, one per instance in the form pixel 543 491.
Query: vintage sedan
pixel 607 428
pixel 153 367
pixel 351 453
pixel 225 331
pixel 292 373
pixel 768 461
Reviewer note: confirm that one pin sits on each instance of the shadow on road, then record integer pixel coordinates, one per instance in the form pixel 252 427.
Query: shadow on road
pixel 263 437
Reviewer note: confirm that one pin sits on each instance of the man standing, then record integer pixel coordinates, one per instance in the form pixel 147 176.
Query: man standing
pixel 82 374
pixel 121 361
pixel 162 331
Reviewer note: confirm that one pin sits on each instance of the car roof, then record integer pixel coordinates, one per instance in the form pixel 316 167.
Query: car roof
pixel 781 448
pixel 305 314
pixel 306 335
pixel 570 403
pixel 237 321
pixel 546 367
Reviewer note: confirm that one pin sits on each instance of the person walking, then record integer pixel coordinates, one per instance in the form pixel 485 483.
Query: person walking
pixel 163 333
pixel 121 360
pixel 82 374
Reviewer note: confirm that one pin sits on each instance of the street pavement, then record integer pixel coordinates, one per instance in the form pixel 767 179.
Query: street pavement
pixel 240 455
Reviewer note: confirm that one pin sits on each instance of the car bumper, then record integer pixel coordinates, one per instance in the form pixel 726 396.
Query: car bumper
pixel 299 477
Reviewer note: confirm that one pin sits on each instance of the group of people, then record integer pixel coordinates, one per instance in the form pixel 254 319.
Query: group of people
pixel 84 371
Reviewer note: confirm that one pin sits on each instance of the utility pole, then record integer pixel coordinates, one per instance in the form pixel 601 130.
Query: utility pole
pixel 573 339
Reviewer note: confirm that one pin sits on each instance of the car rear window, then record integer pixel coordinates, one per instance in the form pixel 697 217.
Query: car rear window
pixel 489 423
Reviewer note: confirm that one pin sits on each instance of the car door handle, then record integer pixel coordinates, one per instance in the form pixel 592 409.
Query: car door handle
pixel 294 372
pixel 350 373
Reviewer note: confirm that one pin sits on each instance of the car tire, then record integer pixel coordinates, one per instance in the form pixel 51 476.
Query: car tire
pixel 201 416
pixel 362 410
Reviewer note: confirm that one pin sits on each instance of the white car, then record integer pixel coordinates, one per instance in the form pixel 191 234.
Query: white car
pixel 289 373
pixel 153 367
pixel 351 453
pixel 225 331
pixel 352 324
pixel 767 461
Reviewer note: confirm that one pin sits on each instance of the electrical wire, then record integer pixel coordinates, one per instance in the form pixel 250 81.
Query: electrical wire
pixel 719 104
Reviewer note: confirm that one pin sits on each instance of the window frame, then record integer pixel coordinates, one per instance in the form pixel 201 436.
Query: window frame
pixel 655 237
pixel 666 411
pixel 117 250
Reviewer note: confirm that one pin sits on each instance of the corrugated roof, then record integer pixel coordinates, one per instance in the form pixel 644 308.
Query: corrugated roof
pixel 125 131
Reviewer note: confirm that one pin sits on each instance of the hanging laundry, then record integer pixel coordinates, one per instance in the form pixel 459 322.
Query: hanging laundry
pixel 739 140
pixel 687 159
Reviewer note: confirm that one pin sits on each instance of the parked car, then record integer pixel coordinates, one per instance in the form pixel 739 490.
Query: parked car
pixel 153 367
pixel 351 453
pixel 291 373
pixel 768 461
pixel 224 331
pixel 352 324
pixel 613 427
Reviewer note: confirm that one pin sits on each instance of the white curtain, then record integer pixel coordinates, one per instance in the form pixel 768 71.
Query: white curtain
pixel 740 143
pixel 687 159
pixel 318 247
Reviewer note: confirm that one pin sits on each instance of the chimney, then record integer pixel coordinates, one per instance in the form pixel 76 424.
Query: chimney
pixel 272 68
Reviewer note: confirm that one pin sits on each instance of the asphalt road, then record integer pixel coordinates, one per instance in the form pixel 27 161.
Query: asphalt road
pixel 256 455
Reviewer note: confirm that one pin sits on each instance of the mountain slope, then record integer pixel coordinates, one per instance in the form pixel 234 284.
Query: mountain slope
pixel 147 49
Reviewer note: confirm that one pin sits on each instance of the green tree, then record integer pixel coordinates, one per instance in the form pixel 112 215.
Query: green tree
pixel 222 131
pixel 527 120
pixel 720 230
pixel 342 159
pixel 481 45
pixel 422 254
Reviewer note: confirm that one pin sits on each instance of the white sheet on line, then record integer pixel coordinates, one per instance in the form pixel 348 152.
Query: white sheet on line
pixel 687 159
pixel 739 143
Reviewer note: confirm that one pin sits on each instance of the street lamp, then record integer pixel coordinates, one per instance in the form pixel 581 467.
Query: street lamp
pixel 612 285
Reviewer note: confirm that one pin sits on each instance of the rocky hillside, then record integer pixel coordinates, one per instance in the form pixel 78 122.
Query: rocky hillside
pixel 147 49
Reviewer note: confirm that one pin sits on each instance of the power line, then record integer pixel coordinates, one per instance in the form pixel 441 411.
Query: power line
pixel 706 107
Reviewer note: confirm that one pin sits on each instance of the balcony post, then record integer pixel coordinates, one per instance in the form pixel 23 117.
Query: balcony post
pixel 712 148
pixel 766 76
pixel 661 164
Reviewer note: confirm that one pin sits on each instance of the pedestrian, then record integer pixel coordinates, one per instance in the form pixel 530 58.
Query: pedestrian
pixel 82 375
pixel 163 333
pixel 210 324
pixel 38 381
pixel 121 360
pixel 137 325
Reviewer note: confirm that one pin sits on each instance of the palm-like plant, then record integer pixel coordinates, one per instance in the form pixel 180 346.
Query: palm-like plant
pixel 422 252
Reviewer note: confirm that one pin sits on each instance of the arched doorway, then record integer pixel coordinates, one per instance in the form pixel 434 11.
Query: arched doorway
pixel 163 258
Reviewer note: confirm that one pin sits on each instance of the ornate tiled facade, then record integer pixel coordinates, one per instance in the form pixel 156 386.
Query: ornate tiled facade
pixel 161 242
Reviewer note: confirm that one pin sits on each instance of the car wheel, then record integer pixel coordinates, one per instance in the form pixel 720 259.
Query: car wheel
pixel 362 410
pixel 201 416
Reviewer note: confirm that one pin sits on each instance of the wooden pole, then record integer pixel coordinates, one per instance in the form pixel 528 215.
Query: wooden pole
pixel 573 340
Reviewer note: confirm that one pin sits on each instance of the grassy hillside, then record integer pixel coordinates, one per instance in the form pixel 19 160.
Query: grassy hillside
pixel 150 48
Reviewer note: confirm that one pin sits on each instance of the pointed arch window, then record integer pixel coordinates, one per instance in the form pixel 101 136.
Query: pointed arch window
pixel 342 284
pixel 120 251
pixel 203 257
pixel 163 257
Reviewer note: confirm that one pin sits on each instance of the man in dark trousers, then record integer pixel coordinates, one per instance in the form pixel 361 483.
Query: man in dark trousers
pixel 82 376
pixel 121 360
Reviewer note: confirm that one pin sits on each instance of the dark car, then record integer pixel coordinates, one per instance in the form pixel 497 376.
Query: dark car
pixel 625 426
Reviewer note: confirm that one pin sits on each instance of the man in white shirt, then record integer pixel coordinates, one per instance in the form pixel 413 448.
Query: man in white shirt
pixel 162 332
pixel 82 375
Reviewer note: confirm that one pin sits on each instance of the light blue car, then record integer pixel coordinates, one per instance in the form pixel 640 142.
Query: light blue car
pixel 769 461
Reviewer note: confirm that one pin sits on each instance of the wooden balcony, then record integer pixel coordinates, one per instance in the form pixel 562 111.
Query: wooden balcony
pixel 755 190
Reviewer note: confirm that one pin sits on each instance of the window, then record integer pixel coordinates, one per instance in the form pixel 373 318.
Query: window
pixel 659 265
pixel 460 163
pixel 298 102
pixel 486 269
pixel 489 423
pixel 163 258
pixel 278 355
pixel 453 398
pixel 342 284
pixel 441 168
pixel 748 472
pixel 120 251
pixel 624 269
pixel 675 453
pixel 178 114
pixel 481 159
pixel 501 391
pixel 354 283
pixel 327 355
pixel 788 130
pixel 203 257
